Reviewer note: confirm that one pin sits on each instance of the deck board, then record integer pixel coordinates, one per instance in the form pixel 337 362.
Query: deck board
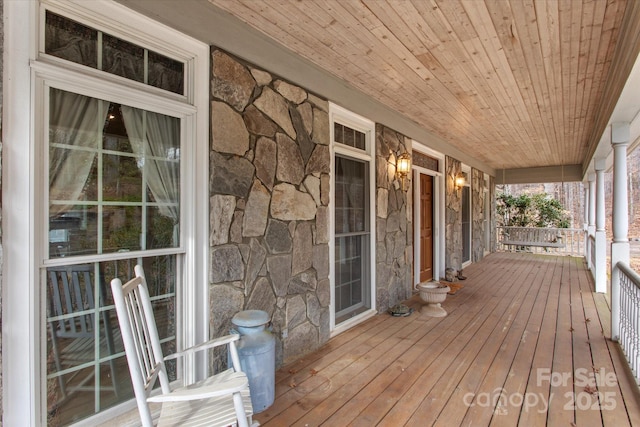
pixel 522 327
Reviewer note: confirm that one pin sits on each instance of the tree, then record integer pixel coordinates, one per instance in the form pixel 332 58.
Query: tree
pixel 536 210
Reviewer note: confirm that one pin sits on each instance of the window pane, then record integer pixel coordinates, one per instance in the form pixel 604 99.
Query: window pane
pixel 122 58
pixel 348 136
pixel 69 40
pixel 114 174
pixel 86 366
pixel 78 43
pixel 350 195
pixel 166 73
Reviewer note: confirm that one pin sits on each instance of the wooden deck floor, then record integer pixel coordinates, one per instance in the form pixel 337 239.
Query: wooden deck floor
pixel 523 345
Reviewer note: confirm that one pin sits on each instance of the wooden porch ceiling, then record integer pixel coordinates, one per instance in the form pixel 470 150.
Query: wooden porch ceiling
pixel 515 83
pixel 521 346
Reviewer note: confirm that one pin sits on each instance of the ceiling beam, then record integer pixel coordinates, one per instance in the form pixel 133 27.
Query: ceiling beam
pixel 566 173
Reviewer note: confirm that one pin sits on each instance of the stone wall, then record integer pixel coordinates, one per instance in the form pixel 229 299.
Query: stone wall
pixel 269 216
pixel 477 217
pixel 394 230
pixel 492 214
pixel 453 215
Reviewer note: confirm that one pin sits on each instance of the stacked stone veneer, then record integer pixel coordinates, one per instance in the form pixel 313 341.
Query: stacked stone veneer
pixel 477 219
pixel 269 216
pixel 453 215
pixel 394 231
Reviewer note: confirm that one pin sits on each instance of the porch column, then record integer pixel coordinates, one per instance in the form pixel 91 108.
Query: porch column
pixel 591 218
pixel 620 246
pixel 601 237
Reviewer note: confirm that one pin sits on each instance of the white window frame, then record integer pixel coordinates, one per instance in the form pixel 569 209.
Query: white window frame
pixel 366 126
pixel 467 171
pixel 25 74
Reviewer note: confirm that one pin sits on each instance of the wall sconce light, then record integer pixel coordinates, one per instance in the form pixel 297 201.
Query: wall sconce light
pixel 403 167
pixel 460 181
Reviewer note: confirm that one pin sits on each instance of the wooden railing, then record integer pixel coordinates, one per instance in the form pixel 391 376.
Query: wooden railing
pixel 628 316
pixel 551 241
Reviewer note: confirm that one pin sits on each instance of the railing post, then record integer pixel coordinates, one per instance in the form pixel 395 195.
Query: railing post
pixel 620 246
pixel 600 234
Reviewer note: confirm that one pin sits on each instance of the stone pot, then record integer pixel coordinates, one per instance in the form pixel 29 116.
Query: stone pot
pixel 433 293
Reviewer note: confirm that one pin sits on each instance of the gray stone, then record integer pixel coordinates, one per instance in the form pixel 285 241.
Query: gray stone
pixel 265 161
pixel 393 222
pixel 226 301
pixel 279 268
pixel 312 184
pixel 275 107
pixel 400 243
pixel 319 160
pixel 220 217
pixel 244 251
pixel 290 164
pixel 321 261
pixel 302 249
pixel 262 77
pixel 392 139
pixel 313 309
pixel 228 130
pixel 304 141
pixel 235 232
pixel 296 311
pixel 232 175
pixel 382 203
pixel 323 291
pixel 226 264
pixel 306 114
pixel 324 329
pixel 325 189
pixel 277 237
pixel 257 211
pixel 257 123
pixel 303 283
pixel 382 300
pixel 320 133
pixel 318 102
pixel 262 297
pixel 257 256
pixel 291 92
pixel 381 229
pixel 382 173
pixel 322 225
pixel 302 340
pixel 231 81
pixel 289 204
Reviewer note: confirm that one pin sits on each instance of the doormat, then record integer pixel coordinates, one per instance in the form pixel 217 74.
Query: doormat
pixel 453 286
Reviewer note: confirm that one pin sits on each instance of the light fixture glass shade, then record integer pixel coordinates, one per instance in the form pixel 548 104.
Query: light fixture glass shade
pixel 403 165
pixel 460 180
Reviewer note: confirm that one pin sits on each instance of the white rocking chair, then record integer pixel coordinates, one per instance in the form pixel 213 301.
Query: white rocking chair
pixel 220 400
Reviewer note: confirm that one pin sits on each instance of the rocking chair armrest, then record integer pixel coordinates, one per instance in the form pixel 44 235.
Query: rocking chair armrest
pixel 204 346
pixel 233 385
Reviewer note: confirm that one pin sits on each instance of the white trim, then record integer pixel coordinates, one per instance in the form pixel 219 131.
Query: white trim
pixel 366 126
pixel 23 397
pixel 438 212
pixel 19 309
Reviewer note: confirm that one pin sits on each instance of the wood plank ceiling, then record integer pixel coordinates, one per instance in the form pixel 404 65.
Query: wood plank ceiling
pixel 516 83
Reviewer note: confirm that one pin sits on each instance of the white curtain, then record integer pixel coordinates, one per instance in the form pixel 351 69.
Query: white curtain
pixel 156 138
pixel 75 134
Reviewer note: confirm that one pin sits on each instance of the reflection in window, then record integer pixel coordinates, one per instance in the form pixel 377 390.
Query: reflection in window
pixel 86 366
pixel 69 40
pixel 114 176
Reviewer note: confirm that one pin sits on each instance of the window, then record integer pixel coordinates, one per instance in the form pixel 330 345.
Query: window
pixel 84 208
pixel 114 188
pixel 352 274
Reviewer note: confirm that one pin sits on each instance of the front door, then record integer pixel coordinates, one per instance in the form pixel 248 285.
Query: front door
pixel 426 227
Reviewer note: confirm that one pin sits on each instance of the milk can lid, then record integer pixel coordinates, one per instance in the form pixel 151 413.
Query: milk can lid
pixel 250 318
